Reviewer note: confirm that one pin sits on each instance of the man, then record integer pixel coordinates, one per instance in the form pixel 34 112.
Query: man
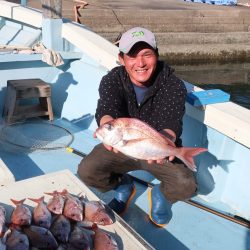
pixel 144 88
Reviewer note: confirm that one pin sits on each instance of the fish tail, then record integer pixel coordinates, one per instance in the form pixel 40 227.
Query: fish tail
pixel 52 194
pixel 17 202
pixel 65 192
pixel 39 200
pixel 187 154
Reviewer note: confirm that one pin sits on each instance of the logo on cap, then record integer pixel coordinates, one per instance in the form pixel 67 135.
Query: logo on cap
pixel 138 33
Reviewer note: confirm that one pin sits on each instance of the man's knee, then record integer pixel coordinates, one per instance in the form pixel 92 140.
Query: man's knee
pixel 187 186
pixel 182 187
pixel 84 172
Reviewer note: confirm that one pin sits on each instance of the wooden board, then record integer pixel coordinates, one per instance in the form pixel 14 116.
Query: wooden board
pixel 126 237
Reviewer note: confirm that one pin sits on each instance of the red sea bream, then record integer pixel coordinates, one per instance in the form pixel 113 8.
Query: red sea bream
pixel 137 139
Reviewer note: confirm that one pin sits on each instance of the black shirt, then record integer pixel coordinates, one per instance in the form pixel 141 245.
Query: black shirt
pixel 163 105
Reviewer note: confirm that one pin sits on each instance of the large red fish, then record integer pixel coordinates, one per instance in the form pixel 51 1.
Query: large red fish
pixel 137 139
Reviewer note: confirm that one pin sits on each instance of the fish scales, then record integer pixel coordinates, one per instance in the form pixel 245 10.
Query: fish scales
pixel 73 207
pixel 40 237
pixel 61 228
pixel 17 241
pixel 104 240
pixel 41 214
pixel 81 238
pixel 21 215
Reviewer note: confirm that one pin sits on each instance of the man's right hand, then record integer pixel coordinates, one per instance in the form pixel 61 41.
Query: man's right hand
pixel 103 120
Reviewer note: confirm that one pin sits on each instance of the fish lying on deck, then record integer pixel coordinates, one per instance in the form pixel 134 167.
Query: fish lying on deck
pixel 104 240
pixel 81 238
pixel 137 139
pixel 56 203
pixel 21 214
pixel 17 240
pixel 40 237
pixel 73 207
pixel 95 212
pixel 41 214
pixel 61 228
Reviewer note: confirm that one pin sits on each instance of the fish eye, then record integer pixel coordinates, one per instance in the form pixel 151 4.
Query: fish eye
pixel 108 126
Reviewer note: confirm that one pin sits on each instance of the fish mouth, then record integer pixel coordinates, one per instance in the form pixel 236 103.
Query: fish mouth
pixel 100 137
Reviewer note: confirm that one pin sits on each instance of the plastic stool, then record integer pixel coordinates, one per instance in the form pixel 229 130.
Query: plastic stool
pixel 17 107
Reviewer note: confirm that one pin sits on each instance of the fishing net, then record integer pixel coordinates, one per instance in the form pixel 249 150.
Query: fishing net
pixel 35 135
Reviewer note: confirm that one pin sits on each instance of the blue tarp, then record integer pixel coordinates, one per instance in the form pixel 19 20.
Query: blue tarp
pixel 215 2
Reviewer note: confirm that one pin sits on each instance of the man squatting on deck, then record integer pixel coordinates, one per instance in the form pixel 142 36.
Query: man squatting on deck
pixel 147 89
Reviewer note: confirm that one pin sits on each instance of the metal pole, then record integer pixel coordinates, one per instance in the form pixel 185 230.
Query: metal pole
pixel 52 8
pixel 24 2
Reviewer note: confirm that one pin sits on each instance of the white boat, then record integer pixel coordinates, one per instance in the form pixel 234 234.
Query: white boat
pixel 218 217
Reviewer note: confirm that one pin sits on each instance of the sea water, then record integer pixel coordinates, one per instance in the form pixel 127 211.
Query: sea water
pixel 233 78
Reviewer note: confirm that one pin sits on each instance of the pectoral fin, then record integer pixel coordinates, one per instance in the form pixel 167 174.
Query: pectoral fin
pixel 130 142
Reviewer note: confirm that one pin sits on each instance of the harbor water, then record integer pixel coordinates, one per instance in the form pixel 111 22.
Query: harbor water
pixel 233 78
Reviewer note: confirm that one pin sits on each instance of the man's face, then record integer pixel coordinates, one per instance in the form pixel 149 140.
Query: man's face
pixel 140 63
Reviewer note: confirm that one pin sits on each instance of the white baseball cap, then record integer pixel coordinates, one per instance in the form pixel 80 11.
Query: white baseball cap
pixel 135 35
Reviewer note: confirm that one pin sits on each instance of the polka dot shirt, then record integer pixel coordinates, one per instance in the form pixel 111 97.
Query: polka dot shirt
pixel 163 105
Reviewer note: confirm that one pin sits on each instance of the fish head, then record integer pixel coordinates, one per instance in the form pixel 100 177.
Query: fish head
pixel 76 215
pixel 103 240
pixel 21 216
pixel 95 212
pixel 110 133
pixel 102 218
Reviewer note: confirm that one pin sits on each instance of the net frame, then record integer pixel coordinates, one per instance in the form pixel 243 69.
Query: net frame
pixel 11 135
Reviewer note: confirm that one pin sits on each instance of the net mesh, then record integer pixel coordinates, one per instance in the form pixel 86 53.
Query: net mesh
pixel 36 135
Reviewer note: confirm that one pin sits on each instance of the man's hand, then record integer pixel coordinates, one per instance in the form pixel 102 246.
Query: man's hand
pixel 103 120
pixel 161 161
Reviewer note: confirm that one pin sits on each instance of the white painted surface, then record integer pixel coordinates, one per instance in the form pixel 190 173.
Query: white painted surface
pixel 6 177
pixel 93 45
pixel 228 118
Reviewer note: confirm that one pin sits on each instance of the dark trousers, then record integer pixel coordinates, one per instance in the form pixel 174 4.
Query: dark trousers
pixel 103 170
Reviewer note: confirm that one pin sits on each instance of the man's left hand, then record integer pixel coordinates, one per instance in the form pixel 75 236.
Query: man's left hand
pixel 161 161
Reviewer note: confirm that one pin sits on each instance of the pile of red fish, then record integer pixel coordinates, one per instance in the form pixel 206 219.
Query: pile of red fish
pixel 65 222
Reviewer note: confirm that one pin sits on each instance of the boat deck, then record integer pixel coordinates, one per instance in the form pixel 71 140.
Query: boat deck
pixel 190 227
